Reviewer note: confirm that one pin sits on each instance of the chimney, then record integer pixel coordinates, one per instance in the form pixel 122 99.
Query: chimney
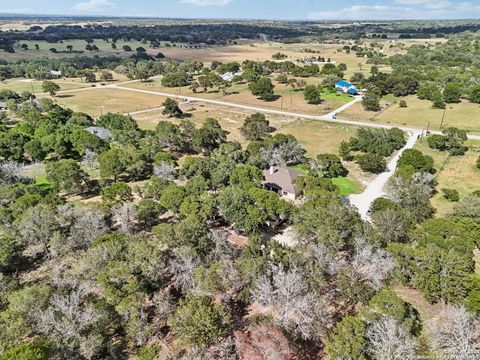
pixel 272 170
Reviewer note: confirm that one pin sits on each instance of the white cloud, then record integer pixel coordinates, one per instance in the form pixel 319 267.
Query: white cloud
pixel 363 12
pixel 416 9
pixel 442 4
pixel 207 2
pixel 94 6
pixel 16 11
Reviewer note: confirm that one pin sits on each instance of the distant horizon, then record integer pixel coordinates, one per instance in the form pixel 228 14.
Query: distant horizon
pixel 99 16
pixel 268 10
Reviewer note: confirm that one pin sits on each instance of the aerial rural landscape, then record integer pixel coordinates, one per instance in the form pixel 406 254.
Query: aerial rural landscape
pixel 187 186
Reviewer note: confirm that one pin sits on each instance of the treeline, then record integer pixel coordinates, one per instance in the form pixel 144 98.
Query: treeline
pixel 212 34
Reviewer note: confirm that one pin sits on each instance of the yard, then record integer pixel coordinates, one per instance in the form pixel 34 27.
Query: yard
pixel 347 185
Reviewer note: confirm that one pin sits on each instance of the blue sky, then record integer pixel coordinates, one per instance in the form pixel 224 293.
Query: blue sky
pixel 253 9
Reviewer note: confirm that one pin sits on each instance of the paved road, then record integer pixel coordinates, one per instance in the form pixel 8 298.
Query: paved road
pixel 376 187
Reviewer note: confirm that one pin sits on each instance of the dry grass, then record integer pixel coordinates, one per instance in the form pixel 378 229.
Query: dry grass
pixel 316 136
pixel 288 99
pixel 420 114
pixel 264 51
pixel 20 85
pixel 96 101
pixel 454 172
pixel 415 298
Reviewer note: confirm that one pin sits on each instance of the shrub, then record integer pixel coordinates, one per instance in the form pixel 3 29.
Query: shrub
pixel 451 195
pixel 403 104
pixel 199 320
pixel 372 163
pixel 148 352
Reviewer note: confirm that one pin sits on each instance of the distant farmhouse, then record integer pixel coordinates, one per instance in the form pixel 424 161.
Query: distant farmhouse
pixel 100 132
pixel 229 76
pixel 346 88
pixel 54 74
pixel 281 179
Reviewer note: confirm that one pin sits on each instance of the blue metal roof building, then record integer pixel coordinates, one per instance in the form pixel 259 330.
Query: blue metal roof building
pixel 346 87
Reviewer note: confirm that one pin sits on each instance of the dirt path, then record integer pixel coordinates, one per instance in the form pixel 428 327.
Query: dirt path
pixel 375 188
pixel 415 298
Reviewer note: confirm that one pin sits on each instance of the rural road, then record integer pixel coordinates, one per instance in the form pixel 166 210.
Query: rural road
pixel 376 188
pixel 330 117
pixel 361 201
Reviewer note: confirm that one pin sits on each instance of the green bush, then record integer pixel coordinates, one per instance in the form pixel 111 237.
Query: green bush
pixel 372 163
pixel 451 195
pixel 148 352
pixel 199 321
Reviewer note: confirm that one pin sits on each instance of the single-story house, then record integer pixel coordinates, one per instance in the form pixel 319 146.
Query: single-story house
pixel 54 74
pixel 346 87
pixel 101 132
pixel 281 179
pixel 229 76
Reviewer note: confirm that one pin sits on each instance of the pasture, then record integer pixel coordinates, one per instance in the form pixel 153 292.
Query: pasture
pixel 102 100
pixel 453 172
pixel 419 114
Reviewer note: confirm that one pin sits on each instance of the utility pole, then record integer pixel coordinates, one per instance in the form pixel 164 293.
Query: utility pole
pixel 281 104
pixel 443 117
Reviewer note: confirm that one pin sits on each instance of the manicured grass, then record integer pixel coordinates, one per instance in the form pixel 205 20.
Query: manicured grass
pixel 347 185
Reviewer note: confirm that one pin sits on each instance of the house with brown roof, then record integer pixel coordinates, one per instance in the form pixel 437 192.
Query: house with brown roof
pixel 281 179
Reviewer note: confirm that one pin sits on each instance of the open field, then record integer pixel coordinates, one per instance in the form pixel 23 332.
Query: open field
pixel 105 49
pixel 454 172
pixel 420 114
pixel 316 136
pixel 288 100
pixel 264 51
pixel 20 85
pixel 96 101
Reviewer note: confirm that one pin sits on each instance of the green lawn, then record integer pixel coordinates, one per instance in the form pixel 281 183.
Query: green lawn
pixel 346 185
